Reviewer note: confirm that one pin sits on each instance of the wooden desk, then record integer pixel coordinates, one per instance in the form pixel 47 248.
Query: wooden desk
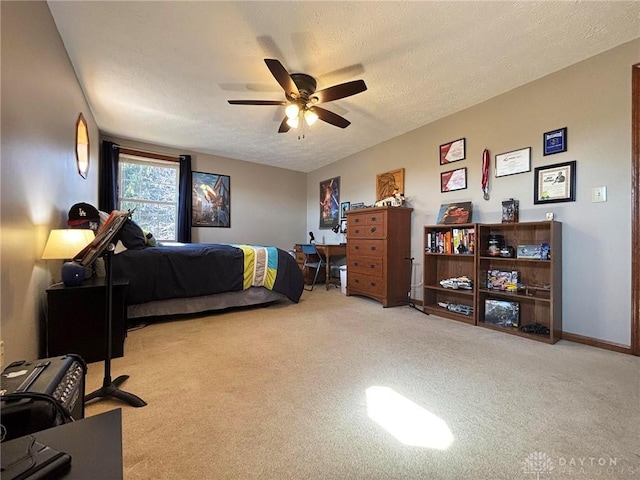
pixel 331 250
pixel 94 443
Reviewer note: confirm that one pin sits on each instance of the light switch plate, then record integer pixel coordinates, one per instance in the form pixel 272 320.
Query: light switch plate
pixel 599 194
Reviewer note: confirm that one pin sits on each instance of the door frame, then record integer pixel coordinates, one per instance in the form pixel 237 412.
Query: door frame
pixel 635 209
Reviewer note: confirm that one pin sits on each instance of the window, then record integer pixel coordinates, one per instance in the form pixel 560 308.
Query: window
pixel 151 188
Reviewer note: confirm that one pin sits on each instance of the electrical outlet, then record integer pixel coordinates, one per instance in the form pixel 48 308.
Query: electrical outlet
pixel 599 194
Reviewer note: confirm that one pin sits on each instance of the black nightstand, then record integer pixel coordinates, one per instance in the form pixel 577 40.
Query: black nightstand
pixel 75 320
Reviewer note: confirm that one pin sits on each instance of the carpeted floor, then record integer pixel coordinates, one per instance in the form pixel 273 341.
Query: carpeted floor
pixel 281 393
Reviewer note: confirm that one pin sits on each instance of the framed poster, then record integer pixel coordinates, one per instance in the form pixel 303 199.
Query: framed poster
pixel 210 200
pixel 330 202
pixel 453 180
pixel 554 141
pixel 453 151
pixel 555 183
pixel 344 208
pixel 511 163
pixel 390 183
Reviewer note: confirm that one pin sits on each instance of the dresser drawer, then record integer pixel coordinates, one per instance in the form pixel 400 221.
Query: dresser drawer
pixel 359 283
pixel 371 230
pixel 367 218
pixel 370 248
pixel 365 265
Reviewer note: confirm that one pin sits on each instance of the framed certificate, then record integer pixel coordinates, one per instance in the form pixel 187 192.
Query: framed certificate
pixel 555 141
pixel 453 180
pixel 510 163
pixel 555 183
pixel 453 151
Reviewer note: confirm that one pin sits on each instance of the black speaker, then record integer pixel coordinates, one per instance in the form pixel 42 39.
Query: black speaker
pixel 41 394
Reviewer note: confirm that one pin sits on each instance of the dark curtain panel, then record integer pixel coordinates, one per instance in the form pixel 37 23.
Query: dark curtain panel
pixel 108 179
pixel 184 200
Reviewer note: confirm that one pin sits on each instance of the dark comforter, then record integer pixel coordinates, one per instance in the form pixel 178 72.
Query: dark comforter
pixel 192 270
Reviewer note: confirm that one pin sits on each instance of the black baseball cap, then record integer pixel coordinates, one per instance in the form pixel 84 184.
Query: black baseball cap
pixel 81 214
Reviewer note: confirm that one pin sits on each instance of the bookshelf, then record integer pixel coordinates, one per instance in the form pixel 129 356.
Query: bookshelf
pixel 449 253
pixel 534 298
pixel 539 298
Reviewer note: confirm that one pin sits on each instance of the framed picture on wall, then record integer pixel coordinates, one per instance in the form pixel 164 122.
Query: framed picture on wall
pixel 510 163
pixel 453 151
pixel 210 200
pixel 555 141
pixel 330 202
pixel 344 208
pixel 453 180
pixel 555 183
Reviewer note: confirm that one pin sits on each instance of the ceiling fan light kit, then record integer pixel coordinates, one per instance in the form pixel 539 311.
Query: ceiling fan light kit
pixel 300 91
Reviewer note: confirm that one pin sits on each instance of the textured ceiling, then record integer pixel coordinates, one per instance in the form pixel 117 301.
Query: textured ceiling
pixel 162 72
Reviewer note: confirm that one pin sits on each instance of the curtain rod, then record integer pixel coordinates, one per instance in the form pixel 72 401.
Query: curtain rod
pixel 146 154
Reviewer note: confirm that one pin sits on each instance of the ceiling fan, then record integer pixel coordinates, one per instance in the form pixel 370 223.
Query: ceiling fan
pixel 302 98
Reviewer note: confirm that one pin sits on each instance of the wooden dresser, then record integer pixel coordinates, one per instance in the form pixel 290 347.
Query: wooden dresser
pixel 378 253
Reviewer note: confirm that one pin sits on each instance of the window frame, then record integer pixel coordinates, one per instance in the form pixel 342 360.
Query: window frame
pixel 135 159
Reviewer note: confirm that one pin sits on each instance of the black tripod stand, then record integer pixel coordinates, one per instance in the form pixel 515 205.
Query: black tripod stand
pixel 110 388
pixel 409 301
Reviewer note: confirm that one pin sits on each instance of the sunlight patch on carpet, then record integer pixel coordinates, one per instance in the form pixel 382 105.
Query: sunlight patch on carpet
pixel 406 421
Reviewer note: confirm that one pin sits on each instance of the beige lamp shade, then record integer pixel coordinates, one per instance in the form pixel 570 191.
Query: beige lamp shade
pixel 64 244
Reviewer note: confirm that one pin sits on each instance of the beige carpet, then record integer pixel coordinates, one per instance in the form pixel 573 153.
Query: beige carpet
pixel 280 393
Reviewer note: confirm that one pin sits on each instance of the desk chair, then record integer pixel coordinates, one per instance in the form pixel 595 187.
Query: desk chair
pixel 313 259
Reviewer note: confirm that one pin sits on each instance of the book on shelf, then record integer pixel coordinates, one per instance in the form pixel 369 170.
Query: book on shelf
pixel 456 240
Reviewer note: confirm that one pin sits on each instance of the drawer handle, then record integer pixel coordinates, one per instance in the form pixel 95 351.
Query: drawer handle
pixel 373 229
pixel 372 266
pixel 355 264
pixel 356 281
pixel 357 230
pixel 373 284
pixel 373 219
pixel 357 247
pixel 356 220
pixel 373 249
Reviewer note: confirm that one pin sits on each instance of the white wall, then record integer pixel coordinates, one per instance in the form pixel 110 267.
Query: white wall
pixel 267 203
pixel 593 100
pixel 41 101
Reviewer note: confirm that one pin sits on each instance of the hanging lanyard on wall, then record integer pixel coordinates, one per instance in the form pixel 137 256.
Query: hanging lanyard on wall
pixel 486 159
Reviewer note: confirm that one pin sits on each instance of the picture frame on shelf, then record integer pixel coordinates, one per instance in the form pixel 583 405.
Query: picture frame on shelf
pixel 389 184
pixel 514 162
pixel 554 141
pixel 210 200
pixel 453 180
pixel 555 183
pixel 344 208
pixel 453 151
pixel 455 213
pixel 510 211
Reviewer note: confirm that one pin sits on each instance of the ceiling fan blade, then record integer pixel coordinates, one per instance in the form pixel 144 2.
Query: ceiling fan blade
pixel 284 126
pixel 340 91
pixel 282 76
pixel 257 102
pixel 330 117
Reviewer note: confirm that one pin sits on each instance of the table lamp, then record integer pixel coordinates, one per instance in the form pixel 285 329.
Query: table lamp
pixel 64 244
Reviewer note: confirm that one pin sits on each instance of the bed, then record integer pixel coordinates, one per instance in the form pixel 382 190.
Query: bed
pixel 175 279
